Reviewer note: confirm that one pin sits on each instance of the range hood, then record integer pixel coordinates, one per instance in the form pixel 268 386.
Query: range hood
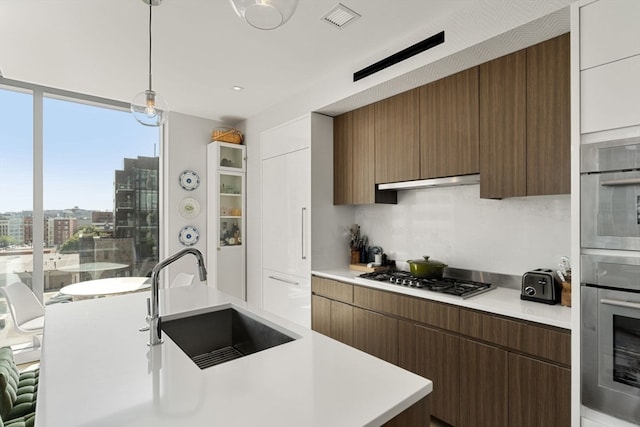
pixel 450 181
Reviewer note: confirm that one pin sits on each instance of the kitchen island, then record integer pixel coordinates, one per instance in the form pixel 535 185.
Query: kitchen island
pixel 97 370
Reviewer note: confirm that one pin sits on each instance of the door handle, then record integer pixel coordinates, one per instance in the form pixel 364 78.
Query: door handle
pixel 291 282
pixel 620 182
pixel 304 255
pixel 618 303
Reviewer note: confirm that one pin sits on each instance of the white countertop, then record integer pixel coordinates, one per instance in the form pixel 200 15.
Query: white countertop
pixel 97 370
pixel 502 301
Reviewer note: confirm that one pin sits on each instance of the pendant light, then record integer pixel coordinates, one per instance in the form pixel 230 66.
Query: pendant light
pixel 148 107
pixel 265 14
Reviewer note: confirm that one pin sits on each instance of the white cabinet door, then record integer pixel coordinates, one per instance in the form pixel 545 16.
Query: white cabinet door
pixel 230 271
pixel 610 95
pixel 286 216
pixel 287 296
pixel 609 31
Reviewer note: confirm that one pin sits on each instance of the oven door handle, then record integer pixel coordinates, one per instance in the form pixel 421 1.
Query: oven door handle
pixel 620 182
pixel 618 303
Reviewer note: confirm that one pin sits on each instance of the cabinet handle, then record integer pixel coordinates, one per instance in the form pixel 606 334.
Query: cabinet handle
pixel 291 282
pixel 304 256
pixel 620 182
pixel 618 303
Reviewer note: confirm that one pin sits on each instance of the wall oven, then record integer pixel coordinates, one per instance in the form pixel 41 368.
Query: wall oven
pixel 610 335
pixel 610 194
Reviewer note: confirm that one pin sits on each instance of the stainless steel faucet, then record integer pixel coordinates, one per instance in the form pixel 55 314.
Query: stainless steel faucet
pixel 152 303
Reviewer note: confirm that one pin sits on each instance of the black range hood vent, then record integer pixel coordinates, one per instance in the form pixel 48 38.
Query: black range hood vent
pixel 407 53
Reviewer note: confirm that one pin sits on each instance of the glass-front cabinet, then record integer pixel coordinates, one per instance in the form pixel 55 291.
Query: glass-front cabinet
pixel 226 175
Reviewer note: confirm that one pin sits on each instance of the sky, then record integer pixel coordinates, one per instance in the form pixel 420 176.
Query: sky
pixel 83 146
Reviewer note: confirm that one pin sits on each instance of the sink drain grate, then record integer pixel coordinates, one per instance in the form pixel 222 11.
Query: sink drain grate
pixel 216 357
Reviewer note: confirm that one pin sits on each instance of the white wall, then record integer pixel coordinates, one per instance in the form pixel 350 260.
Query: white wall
pixel 455 226
pixel 185 149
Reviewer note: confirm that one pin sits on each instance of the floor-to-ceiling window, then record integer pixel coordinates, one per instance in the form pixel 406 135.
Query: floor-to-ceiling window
pixel 78 193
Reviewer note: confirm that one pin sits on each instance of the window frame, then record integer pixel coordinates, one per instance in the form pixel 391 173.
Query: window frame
pixel 39 93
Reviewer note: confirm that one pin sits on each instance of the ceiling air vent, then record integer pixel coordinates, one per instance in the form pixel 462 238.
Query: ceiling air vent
pixel 340 16
pixel 406 53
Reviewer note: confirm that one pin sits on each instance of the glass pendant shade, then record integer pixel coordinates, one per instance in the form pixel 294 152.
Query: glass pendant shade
pixel 265 14
pixel 149 108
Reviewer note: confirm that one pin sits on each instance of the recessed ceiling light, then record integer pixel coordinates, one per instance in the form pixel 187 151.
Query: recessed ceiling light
pixel 238 88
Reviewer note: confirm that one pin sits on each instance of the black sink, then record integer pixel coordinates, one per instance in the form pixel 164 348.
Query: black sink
pixel 219 336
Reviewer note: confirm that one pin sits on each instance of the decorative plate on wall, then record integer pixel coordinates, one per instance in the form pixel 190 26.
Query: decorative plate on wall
pixel 189 208
pixel 189 235
pixel 189 180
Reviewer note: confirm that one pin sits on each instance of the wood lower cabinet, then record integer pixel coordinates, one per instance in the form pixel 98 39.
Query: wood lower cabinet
pixel 487 370
pixel 332 318
pixel 539 393
pixel 342 322
pixel 376 334
pixel 449 126
pixel 483 385
pixel 435 355
pixel 397 140
pixel 321 315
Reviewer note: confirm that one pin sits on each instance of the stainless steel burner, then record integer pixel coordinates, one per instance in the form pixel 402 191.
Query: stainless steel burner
pixel 458 287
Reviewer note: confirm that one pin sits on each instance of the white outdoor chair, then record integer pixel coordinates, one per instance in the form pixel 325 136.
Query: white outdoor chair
pixel 25 308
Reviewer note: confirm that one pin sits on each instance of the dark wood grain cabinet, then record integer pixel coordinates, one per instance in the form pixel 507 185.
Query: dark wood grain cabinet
pixel 376 334
pixel 397 138
pixel 354 159
pixel 321 315
pixel 507 119
pixel 449 126
pixel 341 327
pixel 524 122
pixel 486 369
pixel 484 385
pixel 539 393
pixel 433 354
pixel 548 117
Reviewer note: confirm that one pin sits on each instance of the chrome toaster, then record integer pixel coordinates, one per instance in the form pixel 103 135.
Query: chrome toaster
pixel 540 285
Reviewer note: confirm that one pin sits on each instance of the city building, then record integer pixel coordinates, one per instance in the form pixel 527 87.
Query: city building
pixel 136 209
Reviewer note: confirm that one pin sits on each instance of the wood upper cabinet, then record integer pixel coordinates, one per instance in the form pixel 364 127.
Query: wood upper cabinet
pixel 449 126
pixel 342 159
pixel 503 126
pixel 397 140
pixel 524 122
pixel 353 157
pixel 354 160
pixel 548 118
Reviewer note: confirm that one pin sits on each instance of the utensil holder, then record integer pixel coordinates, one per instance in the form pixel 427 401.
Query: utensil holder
pixel 355 256
pixel 565 295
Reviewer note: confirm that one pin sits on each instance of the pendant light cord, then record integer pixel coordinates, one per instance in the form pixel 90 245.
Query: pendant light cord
pixel 150 6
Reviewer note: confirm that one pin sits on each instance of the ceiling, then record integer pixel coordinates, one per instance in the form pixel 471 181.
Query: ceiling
pixel 201 49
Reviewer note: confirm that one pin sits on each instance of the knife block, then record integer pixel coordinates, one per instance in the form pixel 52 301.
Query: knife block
pixel 565 295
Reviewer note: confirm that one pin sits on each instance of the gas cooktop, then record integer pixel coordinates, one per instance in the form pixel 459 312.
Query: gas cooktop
pixel 458 287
